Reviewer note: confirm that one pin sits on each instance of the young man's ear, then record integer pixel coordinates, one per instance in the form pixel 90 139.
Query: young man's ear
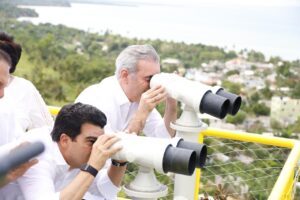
pixel 64 140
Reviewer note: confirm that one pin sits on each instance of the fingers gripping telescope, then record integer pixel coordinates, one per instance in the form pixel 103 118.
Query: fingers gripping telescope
pixel 202 98
pixel 159 153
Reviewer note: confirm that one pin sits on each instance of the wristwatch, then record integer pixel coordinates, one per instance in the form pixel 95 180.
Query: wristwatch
pixel 118 164
pixel 88 168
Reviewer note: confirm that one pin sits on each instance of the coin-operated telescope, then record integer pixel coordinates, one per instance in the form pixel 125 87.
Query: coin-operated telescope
pixel 196 98
pixel 160 154
pixel 202 98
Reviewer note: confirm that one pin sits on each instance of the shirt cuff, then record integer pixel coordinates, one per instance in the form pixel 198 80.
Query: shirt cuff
pixel 106 186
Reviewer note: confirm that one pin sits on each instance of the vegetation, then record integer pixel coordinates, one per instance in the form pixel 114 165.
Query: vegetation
pixel 62 61
pixel 42 2
pixel 8 10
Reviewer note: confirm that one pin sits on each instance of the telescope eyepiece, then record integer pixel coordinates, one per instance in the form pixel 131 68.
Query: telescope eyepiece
pixel 178 160
pixel 214 105
pixel 235 101
pixel 200 149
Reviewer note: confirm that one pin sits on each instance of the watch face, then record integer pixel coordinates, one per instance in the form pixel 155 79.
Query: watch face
pixel 84 167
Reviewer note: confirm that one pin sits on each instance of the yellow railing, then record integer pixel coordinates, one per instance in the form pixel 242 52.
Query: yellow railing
pixel 53 110
pixel 282 189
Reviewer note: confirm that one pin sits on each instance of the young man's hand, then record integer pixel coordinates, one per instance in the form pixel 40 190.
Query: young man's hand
pixel 103 149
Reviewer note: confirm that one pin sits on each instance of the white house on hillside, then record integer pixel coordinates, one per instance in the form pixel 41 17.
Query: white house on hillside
pixel 285 110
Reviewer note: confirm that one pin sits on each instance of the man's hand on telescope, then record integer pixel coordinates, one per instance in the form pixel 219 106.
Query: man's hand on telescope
pixel 103 149
pixel 149 100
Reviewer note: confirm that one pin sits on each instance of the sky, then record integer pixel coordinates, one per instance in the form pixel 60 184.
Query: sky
pixel 269 26
pixel 225 2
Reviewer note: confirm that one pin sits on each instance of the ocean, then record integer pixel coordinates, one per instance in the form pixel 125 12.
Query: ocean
pixel 272 30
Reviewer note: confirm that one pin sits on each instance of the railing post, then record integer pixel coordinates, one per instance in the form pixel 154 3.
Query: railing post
pixel 187 127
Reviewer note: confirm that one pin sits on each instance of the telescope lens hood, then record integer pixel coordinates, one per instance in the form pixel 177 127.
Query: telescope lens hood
pixel 178 160
pixel 200 149
pixel 235 101
pixel 214 105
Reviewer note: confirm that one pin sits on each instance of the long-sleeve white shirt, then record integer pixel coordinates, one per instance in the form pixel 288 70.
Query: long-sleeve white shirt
pixel 9 128
pixel 109 97
pixel 10 131
pixel 51 174
pixel 31 110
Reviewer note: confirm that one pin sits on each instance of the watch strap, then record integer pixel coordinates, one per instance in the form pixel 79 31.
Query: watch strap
pixel 118 164
pixel 88 168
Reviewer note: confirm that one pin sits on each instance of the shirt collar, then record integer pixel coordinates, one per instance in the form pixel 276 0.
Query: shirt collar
pixel 122 98
pixel 58 156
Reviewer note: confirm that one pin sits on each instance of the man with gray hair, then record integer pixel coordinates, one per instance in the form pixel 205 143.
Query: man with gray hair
pixel 127 99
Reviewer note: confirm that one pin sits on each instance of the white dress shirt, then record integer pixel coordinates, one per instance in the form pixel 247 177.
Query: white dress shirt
pixel 31 110
pixel 109 97
pixel 9 128
pixel 51 174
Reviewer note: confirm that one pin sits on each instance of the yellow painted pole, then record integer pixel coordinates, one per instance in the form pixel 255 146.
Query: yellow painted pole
pixel 288 193
pixel 250 137
pixel 198 171
pixel 287 173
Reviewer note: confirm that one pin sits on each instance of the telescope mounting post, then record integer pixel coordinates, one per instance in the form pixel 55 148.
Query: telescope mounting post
pixel 145 186
pixel 187 127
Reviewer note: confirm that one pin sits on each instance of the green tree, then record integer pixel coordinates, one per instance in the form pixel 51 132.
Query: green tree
pixel 284 70
pixel 260 109
pixel 232 87
pixel 296 91
pixel 237 119
pixel 296 126
pixel 266 92
pixel 275 60
pixel 254 56
pixel 256 127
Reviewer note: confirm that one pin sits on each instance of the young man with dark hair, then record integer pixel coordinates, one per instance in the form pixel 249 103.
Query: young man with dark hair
pixel 5 63
pixel 76 151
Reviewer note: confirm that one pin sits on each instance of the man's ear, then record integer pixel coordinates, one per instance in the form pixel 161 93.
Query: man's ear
pixel 124 75
pixel 64 140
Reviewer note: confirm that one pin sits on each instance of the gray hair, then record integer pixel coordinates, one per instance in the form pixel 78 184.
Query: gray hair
pixel 129 57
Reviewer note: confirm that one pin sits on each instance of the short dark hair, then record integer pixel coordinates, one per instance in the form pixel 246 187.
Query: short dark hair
pixel 13 49
pixel 71 117
pixel 5 56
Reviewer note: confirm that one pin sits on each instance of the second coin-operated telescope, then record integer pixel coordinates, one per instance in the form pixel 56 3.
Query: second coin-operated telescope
pixel 160 154
pixel 202 98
